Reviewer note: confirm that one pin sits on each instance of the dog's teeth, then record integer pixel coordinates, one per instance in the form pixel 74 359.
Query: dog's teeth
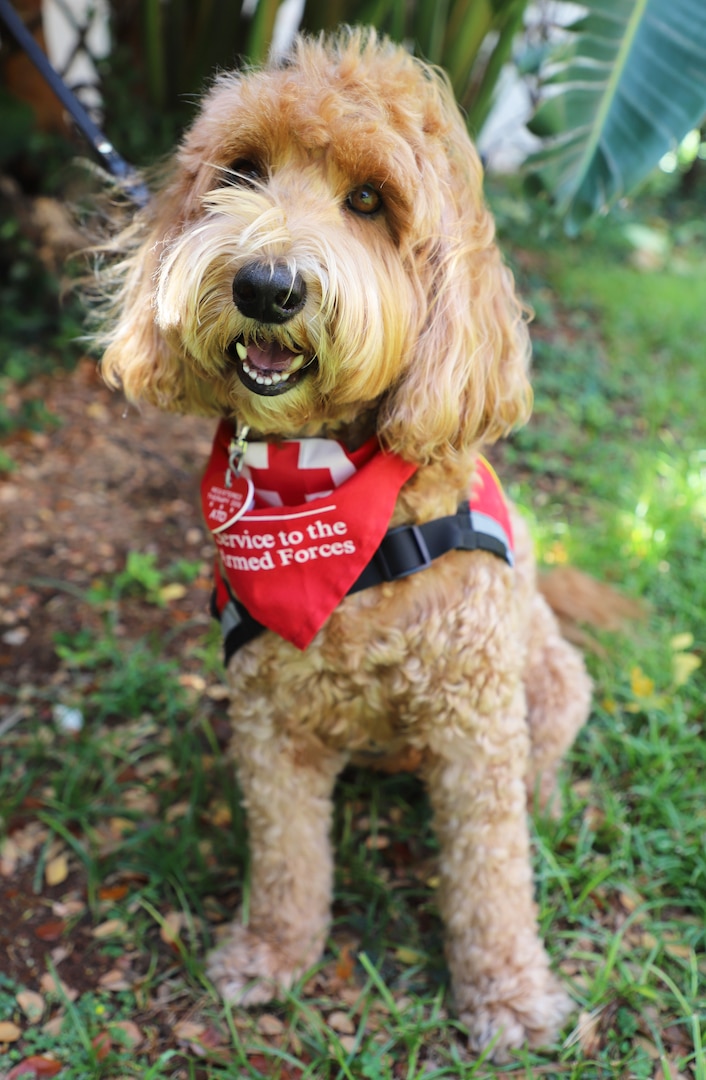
pixel 274 377
pixel 241 350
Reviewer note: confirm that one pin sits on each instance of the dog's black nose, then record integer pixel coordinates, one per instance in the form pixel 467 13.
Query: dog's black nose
pixel 268 292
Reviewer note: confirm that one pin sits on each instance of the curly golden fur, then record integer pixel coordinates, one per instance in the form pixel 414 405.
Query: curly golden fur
pixel 347 169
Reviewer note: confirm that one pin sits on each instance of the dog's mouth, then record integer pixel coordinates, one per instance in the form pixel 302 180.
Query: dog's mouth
pixel 268 369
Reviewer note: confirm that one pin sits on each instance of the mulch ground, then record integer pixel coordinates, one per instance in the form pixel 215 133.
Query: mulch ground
pixel 105 480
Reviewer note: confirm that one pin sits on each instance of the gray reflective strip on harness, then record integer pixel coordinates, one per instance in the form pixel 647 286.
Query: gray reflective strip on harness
pixel 488 526
pixel 230 618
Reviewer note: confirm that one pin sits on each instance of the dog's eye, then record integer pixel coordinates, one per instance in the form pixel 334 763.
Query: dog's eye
pixel 243 172
pixel 364 199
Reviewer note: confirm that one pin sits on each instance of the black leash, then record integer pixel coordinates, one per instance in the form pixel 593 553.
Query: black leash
pixel 116 165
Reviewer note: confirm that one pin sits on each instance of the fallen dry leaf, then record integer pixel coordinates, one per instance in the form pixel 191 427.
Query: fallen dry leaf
pixel 213 1038
pixel 159 764
pixel 587 1032
pixel 178 810
pixel 102 1044
pixel 220 815
pixel 57 869
pixel 144 802
pixel 349 995
pixel 128 1033
pixel 677 1039
pixel 189 1030
pixel 341 1022
pixel 594 818
pixel 113 892
pixel 50 986
pixel 68 909
pixel 345 964
pixel 680 952
pixel 9 1032
pixel 109 928
pixel 171 927
pixel 50 931
pixel 648 1046
pixel 32 1005
pixel 191 681
pixel 630 901
pixel 218 692
pixel 174 591
pixel 119 826
pixel 260 1063
pixel 268 1024
pixel 9 857
pixel 97 411
pixel 406 955
pixel 377 843
pixel 53 1027
pixel 672 1074
pixel 683 667
pixel 114 981
pixel 31 1068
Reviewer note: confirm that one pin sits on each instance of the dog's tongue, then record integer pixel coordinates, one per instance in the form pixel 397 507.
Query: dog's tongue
pixel 272 358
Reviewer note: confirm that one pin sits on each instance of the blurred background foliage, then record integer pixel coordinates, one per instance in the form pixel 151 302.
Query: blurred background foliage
pixel 611 88
pixel 617 85
pixel 614 84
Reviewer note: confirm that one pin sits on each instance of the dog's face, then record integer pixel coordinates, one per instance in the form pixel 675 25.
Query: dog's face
pixel 321 250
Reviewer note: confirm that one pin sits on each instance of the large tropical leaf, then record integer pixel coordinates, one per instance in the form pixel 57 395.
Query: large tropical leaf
pixel 633 84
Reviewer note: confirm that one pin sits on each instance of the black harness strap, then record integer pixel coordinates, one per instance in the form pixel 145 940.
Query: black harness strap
pixel 410 548
pixel 405 550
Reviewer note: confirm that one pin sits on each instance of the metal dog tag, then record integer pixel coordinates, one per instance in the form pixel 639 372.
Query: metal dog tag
pixel 226 505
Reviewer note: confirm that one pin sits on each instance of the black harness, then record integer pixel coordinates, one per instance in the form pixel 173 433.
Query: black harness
pixel 404 550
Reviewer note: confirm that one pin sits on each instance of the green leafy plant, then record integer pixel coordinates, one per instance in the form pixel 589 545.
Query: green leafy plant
pixel 627 87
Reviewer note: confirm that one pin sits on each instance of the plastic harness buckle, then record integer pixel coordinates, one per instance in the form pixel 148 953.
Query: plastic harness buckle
pixel 403 551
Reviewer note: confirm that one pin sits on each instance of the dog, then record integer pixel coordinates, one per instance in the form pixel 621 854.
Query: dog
pixel 318 270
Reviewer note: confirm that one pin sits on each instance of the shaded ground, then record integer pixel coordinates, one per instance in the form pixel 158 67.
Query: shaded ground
pixel 106 479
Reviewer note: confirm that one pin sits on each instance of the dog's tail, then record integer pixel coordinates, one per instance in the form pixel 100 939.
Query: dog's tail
pixel 582 604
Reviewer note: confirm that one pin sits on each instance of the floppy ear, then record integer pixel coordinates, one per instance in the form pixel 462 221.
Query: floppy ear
pixel 466 382
pixel 136 357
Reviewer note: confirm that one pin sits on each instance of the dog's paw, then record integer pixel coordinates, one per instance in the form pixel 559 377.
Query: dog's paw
pixel 533 1019
pixel 248 969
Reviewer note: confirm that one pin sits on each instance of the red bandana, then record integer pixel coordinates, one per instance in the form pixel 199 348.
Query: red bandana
pixel 319 515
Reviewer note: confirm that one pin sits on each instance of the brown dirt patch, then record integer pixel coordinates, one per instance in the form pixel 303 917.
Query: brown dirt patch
pixel 105 480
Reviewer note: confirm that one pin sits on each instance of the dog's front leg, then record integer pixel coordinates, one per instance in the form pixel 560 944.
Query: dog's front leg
pixel 287 782
pixel 503 988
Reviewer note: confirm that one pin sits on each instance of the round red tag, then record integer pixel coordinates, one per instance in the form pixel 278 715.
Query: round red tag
pixel 223 506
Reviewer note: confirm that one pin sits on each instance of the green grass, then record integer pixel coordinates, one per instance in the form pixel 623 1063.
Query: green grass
pixel 612 472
